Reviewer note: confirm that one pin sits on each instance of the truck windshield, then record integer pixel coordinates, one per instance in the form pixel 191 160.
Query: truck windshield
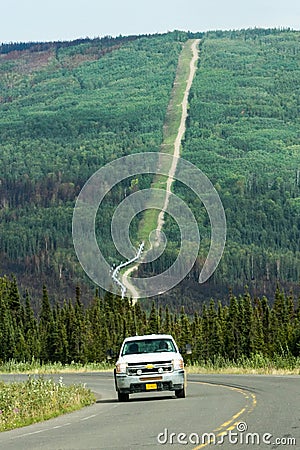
pixel 148 346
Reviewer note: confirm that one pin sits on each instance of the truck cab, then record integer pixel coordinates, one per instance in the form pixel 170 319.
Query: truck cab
pixel 149 363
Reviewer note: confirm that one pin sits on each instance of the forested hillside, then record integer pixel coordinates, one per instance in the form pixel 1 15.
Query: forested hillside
pixel 243 133
pixel 67 109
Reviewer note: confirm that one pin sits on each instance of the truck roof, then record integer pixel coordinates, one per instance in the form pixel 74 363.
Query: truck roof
pixel 148 336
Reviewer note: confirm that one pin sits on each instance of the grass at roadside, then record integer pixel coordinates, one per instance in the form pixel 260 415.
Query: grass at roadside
pixel 257 364
pixel 24 403
pixel 36 367
pixel 286 364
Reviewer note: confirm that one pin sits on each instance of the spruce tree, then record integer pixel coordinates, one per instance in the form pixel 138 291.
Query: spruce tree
pixel 153 320
pixel 45 327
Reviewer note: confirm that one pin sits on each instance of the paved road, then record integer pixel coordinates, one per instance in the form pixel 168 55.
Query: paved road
pixel 214 404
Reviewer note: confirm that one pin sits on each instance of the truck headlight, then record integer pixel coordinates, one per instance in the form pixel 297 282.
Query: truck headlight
pixel 178 364
pixel 121 367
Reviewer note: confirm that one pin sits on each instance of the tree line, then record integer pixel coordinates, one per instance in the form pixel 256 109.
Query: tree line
pixel 69 331
pixel 105 42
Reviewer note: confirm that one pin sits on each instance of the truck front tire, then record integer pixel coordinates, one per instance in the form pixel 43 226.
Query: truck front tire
pixel 180 393
pixel 123 397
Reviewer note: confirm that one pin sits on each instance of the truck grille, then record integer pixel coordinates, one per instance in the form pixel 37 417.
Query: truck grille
pixel 149 368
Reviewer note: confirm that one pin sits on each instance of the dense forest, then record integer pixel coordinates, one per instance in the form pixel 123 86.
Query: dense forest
pixel 244 327
pixel 68 108
pixel 246 124
pixel 243 133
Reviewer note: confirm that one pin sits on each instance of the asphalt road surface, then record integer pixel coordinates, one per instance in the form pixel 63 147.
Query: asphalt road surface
pixel 220 411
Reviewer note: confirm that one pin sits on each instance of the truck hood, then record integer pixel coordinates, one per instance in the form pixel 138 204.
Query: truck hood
pixel 149 357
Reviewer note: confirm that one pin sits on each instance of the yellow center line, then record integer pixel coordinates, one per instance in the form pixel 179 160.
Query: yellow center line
pixel 231 423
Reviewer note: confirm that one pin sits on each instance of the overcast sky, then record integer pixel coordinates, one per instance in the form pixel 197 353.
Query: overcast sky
pixel 41 20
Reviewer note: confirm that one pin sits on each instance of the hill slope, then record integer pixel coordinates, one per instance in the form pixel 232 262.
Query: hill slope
pixel 68 108
pixel 244 134
pixel 65 111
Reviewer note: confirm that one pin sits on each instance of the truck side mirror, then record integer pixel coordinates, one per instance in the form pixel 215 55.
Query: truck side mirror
pixel 110 354
pixel 188 349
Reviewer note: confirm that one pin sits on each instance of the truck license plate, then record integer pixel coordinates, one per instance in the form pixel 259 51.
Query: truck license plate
pixel 151 386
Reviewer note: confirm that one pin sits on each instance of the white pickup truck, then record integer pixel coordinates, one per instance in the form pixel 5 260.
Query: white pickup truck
pixel 149 363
